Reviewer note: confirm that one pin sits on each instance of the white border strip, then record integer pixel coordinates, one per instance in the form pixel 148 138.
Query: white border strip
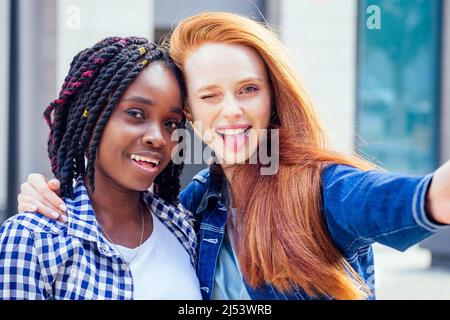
pixel 445 84
pixel 4 101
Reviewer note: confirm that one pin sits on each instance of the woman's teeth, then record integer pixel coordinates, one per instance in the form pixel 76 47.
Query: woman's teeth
pixel 231 132
pixel 153 162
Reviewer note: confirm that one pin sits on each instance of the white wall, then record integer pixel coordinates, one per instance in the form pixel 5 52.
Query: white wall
pixel 321 34
pixel 36 83
pixel 169 12
pixel 82 23
pixel 49 38
pixel 4 75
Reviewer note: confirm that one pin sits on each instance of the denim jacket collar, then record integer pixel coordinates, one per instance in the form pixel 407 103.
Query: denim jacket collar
pixel 217 189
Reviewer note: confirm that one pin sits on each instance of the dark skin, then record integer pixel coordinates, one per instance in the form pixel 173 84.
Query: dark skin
pixel 142 124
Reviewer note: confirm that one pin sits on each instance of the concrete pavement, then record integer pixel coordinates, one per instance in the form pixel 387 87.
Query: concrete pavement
pixel 407 275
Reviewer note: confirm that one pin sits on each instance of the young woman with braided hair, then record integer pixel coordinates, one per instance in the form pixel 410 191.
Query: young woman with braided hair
pixel 110 140
pixel 306 231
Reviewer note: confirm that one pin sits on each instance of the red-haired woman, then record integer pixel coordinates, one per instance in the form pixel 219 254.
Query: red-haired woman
pixel 306 230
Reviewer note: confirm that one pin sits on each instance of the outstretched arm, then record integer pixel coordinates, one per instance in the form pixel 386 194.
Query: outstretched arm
pixel 363 207
pixel 438 197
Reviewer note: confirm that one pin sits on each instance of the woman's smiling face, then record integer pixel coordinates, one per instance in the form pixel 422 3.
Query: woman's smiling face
pixel 136 143
pixel 229 98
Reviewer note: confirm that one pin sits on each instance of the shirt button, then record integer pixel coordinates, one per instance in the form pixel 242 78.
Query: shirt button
pixel 124 266
pixel 104 248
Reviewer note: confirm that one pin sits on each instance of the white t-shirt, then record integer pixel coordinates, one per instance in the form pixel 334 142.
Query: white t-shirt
pixel 162 269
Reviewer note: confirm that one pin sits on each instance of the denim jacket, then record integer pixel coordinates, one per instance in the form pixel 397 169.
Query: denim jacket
pixel 359 208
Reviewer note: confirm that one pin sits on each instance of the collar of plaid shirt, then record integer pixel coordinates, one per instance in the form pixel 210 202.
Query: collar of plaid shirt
pixel 83 224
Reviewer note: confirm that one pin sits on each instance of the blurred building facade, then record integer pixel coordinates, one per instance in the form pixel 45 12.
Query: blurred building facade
pixel 377 71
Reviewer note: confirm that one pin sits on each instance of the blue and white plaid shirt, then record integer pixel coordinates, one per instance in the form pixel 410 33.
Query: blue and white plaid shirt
pixel 46 259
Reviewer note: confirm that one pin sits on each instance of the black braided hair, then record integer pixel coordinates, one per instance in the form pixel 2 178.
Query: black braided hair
pixel 97 79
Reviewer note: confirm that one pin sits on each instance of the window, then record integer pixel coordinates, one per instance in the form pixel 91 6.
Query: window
pixel 398 83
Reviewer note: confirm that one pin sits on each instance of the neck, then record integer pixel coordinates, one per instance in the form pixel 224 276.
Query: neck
pixel 229 172
pixel 114 205
pixel 119 212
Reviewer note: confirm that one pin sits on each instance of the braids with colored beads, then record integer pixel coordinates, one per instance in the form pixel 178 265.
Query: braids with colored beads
pixel 97 79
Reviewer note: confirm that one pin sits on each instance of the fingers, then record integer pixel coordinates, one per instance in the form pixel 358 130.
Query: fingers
pixel 47 190
pixel 31 200
pixel 30 204
pixel 54 185
pixel 25 204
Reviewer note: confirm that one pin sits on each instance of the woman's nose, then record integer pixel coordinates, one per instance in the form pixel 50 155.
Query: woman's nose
pixel 231 109
pixel 154 137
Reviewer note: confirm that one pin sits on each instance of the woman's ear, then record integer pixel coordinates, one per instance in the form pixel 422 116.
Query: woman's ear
pixel 187 113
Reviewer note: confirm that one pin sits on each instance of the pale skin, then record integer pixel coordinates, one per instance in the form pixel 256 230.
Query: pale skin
pixel 236 92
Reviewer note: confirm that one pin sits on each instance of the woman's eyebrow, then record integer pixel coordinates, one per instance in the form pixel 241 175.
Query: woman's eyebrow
pixel 150 103
pixel 251 79
pixel 207 87
pixel 139 100
pixel 247 79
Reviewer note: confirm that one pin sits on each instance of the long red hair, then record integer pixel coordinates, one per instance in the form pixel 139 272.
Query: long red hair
pixel 282 237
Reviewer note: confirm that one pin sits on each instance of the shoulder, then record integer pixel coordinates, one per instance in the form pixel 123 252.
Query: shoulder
pixel 202 176
pixel 199 181
pixel 19 235
pixel 33 223
pixel 335 170
pixel 342 174
pixel 32 249
pixel 191 196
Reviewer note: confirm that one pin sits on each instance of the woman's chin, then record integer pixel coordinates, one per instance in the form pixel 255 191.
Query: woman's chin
pixel 143 188
pixel 140 185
